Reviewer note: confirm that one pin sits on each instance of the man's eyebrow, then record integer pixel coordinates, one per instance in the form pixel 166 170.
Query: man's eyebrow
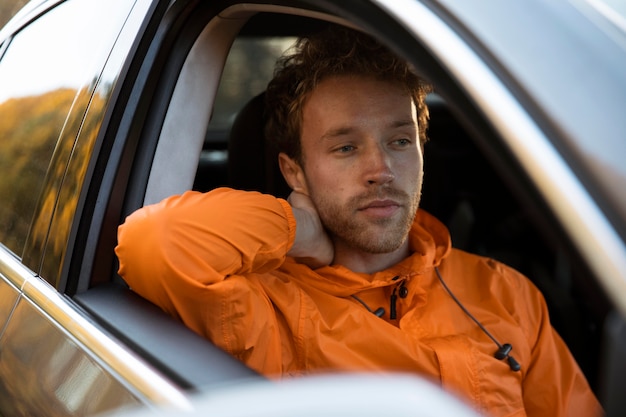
pixel 403 123
pixel 344 131
pixel 340 131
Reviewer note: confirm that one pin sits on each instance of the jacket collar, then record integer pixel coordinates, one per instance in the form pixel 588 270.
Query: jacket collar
pixel 429 241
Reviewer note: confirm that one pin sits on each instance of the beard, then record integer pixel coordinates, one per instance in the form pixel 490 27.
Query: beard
pixel 347 226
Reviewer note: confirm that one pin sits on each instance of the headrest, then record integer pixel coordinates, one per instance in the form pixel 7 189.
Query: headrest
pixel 252 160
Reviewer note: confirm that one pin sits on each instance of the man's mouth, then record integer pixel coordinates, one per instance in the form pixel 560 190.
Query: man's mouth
pixel 380 208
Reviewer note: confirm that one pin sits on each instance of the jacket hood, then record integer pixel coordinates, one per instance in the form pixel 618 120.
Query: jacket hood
pixel 429 242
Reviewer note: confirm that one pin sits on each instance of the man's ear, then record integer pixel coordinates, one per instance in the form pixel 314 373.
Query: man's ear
pixel 293 173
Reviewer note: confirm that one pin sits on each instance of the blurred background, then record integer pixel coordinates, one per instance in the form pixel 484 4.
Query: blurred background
pixel 8 8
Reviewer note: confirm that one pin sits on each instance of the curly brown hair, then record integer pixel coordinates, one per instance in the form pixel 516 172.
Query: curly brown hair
pixel 334 51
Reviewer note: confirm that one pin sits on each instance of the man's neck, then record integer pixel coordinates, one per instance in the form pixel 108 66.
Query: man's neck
pixel 363 262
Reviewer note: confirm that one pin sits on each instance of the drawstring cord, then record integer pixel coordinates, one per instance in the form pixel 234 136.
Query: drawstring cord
pixel 504 350
pixel 379 311
pixel 402 291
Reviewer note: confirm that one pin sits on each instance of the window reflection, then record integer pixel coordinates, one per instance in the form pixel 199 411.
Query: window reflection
pixel 47 70
pixel 43 372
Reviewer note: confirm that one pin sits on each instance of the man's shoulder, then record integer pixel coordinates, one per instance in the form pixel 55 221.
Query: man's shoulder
pixel 483 268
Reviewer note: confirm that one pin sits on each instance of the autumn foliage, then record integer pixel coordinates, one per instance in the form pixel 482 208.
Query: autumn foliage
pixel 29 128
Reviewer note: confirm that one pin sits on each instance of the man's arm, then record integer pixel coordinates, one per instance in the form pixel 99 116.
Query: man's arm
pixel 193 255
pixel 181 253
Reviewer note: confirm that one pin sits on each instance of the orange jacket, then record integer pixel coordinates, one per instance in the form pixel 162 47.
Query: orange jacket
pixel 218 262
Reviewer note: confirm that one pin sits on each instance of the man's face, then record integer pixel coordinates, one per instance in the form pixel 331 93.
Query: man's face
pixel 362 161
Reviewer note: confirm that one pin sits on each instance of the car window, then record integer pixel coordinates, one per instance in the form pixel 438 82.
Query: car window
pixel 247 71
pixel 41 74
pixel 248 68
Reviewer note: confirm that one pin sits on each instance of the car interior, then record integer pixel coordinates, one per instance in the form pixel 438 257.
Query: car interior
pixel 470 184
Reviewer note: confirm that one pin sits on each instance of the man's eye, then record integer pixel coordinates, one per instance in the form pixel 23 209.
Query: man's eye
pixel 403 142
pixel 345 148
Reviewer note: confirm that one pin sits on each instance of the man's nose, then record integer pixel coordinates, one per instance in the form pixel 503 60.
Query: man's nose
pixel 378 167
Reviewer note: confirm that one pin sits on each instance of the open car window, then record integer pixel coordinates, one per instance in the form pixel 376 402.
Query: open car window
pixel 479 192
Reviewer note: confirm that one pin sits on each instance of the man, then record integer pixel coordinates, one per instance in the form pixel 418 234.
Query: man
pixel 348 274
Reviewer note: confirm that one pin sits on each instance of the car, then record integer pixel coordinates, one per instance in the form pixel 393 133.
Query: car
pixel 397 395
pixel 107 106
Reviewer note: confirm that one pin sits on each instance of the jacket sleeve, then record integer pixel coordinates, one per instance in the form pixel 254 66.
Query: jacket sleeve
pixel 191 254
pixel 553 383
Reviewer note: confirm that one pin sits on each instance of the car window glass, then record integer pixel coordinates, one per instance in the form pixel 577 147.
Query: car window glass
pixel 247 71
pixel 45 66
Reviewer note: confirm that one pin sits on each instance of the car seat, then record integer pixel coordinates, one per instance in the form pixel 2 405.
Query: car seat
pixel 252 160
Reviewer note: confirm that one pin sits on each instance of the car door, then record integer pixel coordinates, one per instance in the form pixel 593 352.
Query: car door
pixel 59 63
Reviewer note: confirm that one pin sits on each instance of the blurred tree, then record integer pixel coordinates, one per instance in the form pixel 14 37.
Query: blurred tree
pixel 29 130
pixel 8 9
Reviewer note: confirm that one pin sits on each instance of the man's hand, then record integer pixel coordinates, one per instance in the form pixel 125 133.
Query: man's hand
pixel 312 246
